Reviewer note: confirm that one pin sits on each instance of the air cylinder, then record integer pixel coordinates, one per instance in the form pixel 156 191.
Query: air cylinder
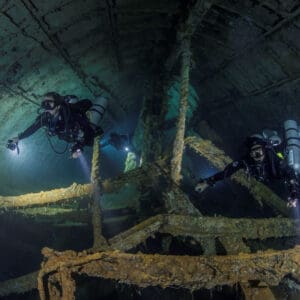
pixel 98 109
pixel 292 144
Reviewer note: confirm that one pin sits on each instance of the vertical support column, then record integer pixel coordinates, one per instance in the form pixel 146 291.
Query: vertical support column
pixel 184 92
pixel 49 286
pixel 54 292
pixel 149 146
pixel 68 285
pixel 234 245
pixel 177 202
pixel 153 116
pixel 259 292
pixel 40 285
pixel 99 241
pixel 208 245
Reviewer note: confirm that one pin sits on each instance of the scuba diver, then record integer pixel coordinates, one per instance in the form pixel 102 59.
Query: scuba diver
pixel 264 162
pixel 66 117
pixel 120 142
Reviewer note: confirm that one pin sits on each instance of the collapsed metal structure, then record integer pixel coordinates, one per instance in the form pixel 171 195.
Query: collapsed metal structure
pixel 108 258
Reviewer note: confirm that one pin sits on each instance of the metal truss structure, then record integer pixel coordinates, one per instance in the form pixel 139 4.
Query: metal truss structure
pixel 108 258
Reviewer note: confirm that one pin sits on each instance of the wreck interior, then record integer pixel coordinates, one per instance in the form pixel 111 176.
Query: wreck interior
pixel 187 81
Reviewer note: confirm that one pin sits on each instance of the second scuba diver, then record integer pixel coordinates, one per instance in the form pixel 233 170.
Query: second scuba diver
pixel 262 162
pixel 65 119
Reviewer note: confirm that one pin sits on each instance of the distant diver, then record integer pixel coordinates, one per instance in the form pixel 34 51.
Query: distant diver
pixel 121 142
pixel 67 118
pixel 265 162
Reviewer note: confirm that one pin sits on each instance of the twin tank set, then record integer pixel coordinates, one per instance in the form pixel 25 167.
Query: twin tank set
pixel 292 148
pixel 291 145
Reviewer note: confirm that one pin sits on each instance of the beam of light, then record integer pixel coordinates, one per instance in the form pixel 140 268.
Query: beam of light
pixel 84 166
pixel 14 153
pixel 296 211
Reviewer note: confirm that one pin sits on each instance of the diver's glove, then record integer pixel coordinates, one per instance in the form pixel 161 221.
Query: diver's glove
pixel 203 184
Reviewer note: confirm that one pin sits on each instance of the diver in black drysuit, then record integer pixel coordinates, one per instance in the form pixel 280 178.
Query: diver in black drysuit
pixel 264 164
pixel 67 121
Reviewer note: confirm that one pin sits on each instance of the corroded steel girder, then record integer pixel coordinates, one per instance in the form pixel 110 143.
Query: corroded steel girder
pixel 139 176
pixel 217 157
pixel 148 175
pixel 155 106
pixel 74 191
pixel 228 227
pixel 202 229
pixel 192 272
pixel 152 118
pixel 193 16
pixel 99 240
pixel 178 145
pixel 46 197
pixel 206 228
pixel 95 172
pixel 176 201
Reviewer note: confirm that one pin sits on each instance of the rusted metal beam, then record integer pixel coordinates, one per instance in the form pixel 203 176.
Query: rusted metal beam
pixel 155 105
pixel 178 145
pixel 99 242
pixel 137 234
pixel 177 202
pixel 140 175
pixel 152 117
pixel 244 228
pixel 217 157
pixel 164 270
pixel 82 191
pixel 195 14
pixel 203 229
pixel 46 197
